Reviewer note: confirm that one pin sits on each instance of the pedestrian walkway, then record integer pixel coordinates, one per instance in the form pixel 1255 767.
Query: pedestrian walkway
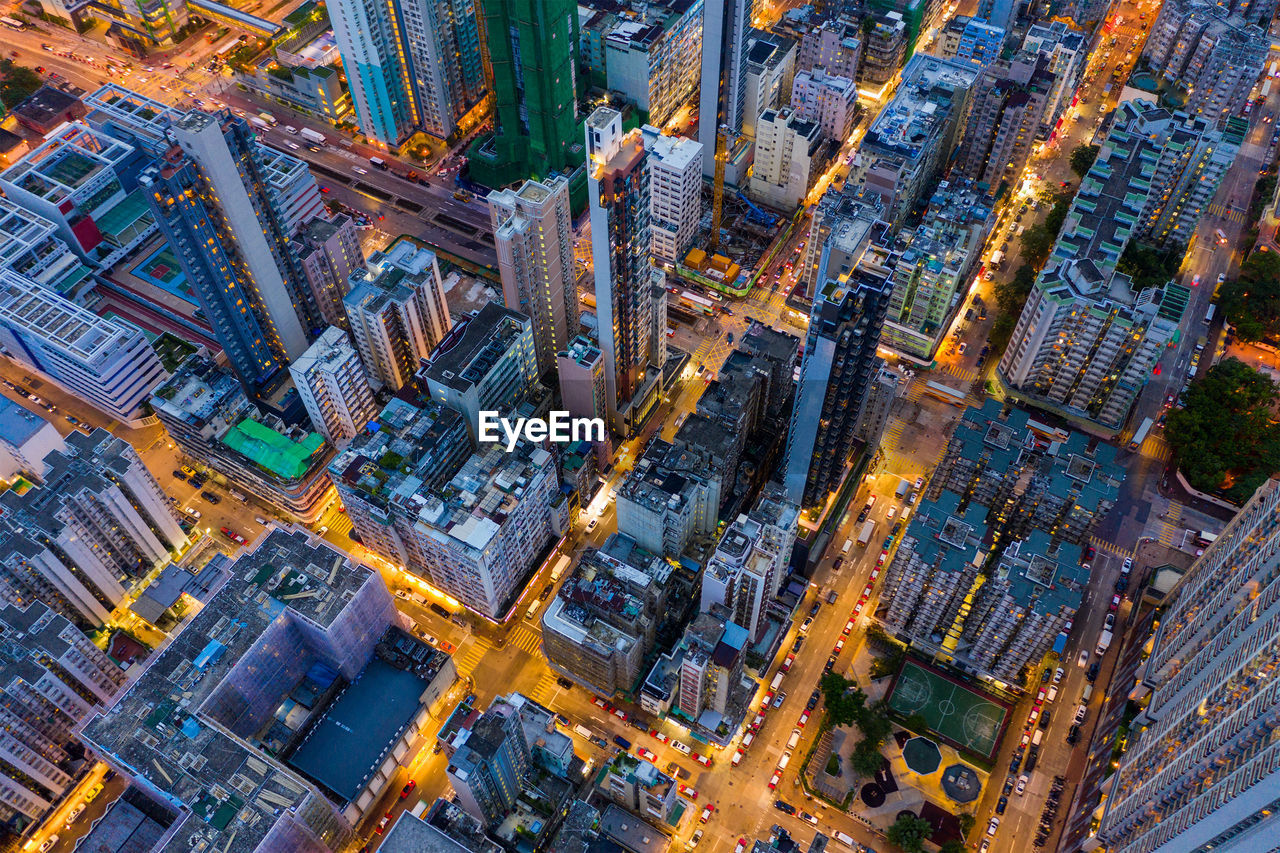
pixel 893 433
pixel 1171 531
pixel 469 654
pixel 545 690
pixel 968 374
pixel 1110 548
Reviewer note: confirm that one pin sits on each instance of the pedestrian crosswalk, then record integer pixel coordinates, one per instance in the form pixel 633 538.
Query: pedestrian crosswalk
pixel 1172 532
pixel 968 374
pixel 1157 448
pixel 893 433
pixel 545 690
pixel 1225 212
pixel 525 637
pixel 1110 548
pixel 469 654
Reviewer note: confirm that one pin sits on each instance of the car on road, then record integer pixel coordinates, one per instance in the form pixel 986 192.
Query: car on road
pixel 382 824
pixel 806 625
pixel 75 813
pixel 1083 658
pixel 1115 603
pixel 620 714
pixel 986 845
pixel 659 735
pixel 680 746
pixel 964 345
pixel 1058 674
pixel 359 170
pixel 779 699
pixel 1002 805
pixel 408 789
pixel 622 742
pixel 591 525
pixel 993 825
pixel 211 497
pixel 178 475
pixel 49 844
pixel 704 760
pixel 848 626
pixel 706 813
pixel 1022 784
pixel 646 754
pixel 1222 277
pixel 784 807
pixel 804 718
pixel 689 792
pixel 740 846
pixel 774 780
pixel 808 818
pixel 188 471
pixel 697 836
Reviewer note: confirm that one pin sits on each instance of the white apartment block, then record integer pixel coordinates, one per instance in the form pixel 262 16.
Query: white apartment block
pixel 533 234
pixel 675 193
pixel 786 146
pixel 106 363
pixel 1202 770
pixel 652 55
pixel 331 381
pixel 294 191
pixel 397 311
pixel 824 98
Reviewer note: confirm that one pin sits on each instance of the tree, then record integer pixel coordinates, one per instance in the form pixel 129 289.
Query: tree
pixel 1082 158
pixel 1251 303
pixel 967 820
pixel 1037 242
pixel 845 702
pixel 909 833
pixel 1223 437
pixel 16 83
pixel 951 845
pixel 916 723
pixel 866 759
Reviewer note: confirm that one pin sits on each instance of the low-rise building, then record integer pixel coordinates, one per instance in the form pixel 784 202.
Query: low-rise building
pixel 640 788
pixel 602 624
pixel 25 440
pixel 206 412
pixel 297 626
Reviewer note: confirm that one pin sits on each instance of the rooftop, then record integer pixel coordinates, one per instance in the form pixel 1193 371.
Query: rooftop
pixel 18 423
pixel 474 346
pixel 285 457
pixel 922 105
pixel 446 828
pixel 63 325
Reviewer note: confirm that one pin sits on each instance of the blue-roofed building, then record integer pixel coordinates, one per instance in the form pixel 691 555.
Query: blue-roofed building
pixel 990 568
pixel 25 440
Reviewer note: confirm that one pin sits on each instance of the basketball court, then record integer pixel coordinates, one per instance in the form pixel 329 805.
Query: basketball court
pixel 964 717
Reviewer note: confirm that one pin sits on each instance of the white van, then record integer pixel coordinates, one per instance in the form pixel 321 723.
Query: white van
pixel 784 761
pixel 777 682
pixel 1051 695
pixel 1037 737
pixel 794 739
pixel 848 543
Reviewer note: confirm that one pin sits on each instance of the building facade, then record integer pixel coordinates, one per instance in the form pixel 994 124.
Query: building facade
pixel 827 99
pixel 331 381
pixel 787 159
pixel 675 193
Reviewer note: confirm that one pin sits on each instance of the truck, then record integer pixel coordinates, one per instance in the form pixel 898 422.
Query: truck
pixel 268 118
pixel 313 136
pixel 777 682
pixel 1059 644
pixel 864 535
pixel 1104 643
pixel 560 566
pixel 1140 434
pixel 901 491
pixel 377 163
pixel 996 257
pixel 260 124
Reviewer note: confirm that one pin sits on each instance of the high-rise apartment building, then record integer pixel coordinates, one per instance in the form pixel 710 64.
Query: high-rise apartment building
pixel 52 677
pixel 839 361
pixel 787 151
pixel 580 368
pixel 913 136
pixel 533 232
pixel 604 620
pixel 989 571
pixel 675 193
pixel 841 228
pixel 827 99
pixel 671 497
pixel 98 522
pixel 835 46
pixel 211 199
pixel 490 764
pixel 397 312
pixel 652 53
pixel 487 363
pixel 630 299
pixel 105 362
pixel 1066 50
pixel 1086 340
pixel 746 570
pixel 532 50
pixel 1202 768
pixel 331 381
pixel 1206 51
pixel 329 254
pixel 410 68
pixel 883 52
pixel 726 28
pixel 25 440
pixel 1006 110
pixel 771 61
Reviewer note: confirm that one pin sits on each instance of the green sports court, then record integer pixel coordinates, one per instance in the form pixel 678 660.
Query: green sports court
pixel 958 714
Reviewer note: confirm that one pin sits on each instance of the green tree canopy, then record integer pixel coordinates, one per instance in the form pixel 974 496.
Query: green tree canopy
pixel 909 833
pixel 845 702
pixel 1150 266
pixel 1082 157
pixel 866 759
pixel 16 83
pixel 1251 303
pixel 1223 438
pixel 951 845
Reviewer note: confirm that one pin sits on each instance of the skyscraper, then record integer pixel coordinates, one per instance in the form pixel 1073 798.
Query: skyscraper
pixel 210 197
pixel 629 296
pixel 532 48
pixel 726 25
pixel 1007 107
pixel 533 232
pixel 839 363
pixel 1201 770
pixel 411 67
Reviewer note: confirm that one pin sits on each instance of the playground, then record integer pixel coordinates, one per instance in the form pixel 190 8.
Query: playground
pixel 958 714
